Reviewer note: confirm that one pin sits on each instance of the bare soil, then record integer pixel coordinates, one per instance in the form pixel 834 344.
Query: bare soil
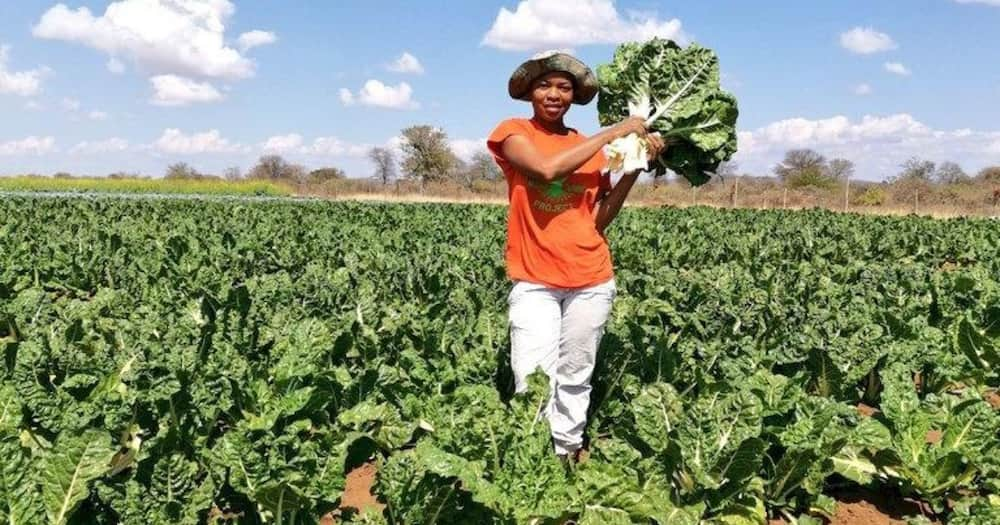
pixel 866 411
pixel 358 490
pixel 357 494
pixel 993 399
pixel 871 508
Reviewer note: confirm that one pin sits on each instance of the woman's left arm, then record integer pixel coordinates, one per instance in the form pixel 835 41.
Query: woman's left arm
pixel 609 207
pixel 612 203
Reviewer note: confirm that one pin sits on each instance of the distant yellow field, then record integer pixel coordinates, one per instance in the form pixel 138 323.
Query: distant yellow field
pixel 173 186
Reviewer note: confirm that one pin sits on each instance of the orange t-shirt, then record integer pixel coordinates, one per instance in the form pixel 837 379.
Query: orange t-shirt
pixel 552 238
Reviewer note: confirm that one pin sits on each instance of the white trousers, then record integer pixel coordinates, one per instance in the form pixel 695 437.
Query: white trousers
pixel 558 331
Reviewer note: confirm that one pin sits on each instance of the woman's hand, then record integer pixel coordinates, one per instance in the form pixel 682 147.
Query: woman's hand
pixel 629 126
pixel 655 145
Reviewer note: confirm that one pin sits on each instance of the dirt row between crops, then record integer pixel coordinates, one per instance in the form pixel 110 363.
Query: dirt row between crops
pixel 870 508
pixel 853 508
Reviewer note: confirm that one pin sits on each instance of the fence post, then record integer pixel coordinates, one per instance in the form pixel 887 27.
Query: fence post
pixel 784 199
pixel 847 194
pixel 916 201
pixel 736 194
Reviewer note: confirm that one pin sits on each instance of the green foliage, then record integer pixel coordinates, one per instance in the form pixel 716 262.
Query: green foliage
pixel 701 122
pixel 805 168
pixel 142 185
pixel 872 196
pixel 321 175
pixel 175 361
pixel 426 154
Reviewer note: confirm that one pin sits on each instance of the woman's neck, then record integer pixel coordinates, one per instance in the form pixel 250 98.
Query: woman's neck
pixel 558 128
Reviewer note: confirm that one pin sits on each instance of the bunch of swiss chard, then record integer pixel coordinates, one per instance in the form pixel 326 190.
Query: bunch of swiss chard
pixel 677 91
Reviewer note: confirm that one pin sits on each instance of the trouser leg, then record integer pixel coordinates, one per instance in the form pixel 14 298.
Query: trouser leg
pixel 584 314
pixel 535 323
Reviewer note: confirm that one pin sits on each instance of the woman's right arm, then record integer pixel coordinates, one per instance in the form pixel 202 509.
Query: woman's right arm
pixel 523 155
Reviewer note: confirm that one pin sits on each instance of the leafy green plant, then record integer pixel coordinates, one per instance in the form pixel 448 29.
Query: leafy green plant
pixel 677 91
pixel 182 361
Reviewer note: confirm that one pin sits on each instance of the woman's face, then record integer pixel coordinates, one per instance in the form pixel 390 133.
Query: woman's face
pixel 551 96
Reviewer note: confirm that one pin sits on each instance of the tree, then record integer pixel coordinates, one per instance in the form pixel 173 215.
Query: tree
pixel 426 155
pixel 804 167
pixel 322 175
pixel 840 169
pixel 295 173
pixel 484 167
pixel 182 170
pixel 916 170
pixel 989 174
pixel 481 167
pixel 951 173
pixel 232 173
pixel 914 180
pixel 268 167
pixel 275 167
pixel 385 164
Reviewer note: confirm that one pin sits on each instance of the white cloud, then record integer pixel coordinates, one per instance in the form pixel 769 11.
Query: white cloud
pixel 69 104
pixel 98 115
pixel 407 63
pixel 335 147
pixel 466 148
pixel 115 66
pixel 295 144
pixel 28 146
pixel 21 83
pixel 377 94
pixel 184 37
pixel 877 144
pixel 172 90
pixel 282 143
pixel 255 38
pixel 862 89
pixel 395 145
pixel 543 24
pixel 866 41
pixel 174 141
pixel 346 97
pixel 33 105
pixel 897 68
pixel 112 145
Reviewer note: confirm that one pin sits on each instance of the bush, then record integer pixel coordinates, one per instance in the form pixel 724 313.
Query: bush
pixel 871 197
pixel 811 178
pixel 990 174
pixel 322 175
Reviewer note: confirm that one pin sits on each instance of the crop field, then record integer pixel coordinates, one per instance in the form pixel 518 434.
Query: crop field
pixel 184 361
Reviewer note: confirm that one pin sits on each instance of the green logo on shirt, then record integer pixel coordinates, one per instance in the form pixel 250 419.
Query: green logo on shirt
pixel 555 189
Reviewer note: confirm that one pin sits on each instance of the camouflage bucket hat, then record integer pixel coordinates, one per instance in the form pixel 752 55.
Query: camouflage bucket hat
pixel 584 82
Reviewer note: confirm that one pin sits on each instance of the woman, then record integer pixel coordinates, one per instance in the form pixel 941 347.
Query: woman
pixel 557 255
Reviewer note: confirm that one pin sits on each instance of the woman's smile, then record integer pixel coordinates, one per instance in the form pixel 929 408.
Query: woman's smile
pixel 554 110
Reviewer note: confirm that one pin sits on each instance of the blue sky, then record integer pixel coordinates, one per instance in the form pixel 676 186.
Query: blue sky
pixel 133 85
